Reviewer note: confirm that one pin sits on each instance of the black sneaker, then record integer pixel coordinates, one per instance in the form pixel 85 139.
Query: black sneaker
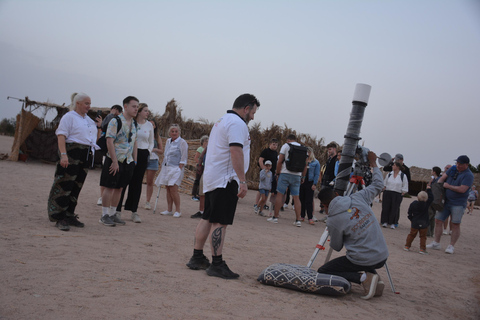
pixel 222 271
pixel 196 215
pixel 198 263
pixel 73 221
pixel 107 221
pixel 62 225
pixel 266 207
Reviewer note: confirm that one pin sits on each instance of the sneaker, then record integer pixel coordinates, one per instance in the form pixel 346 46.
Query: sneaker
pixel 221 271
pixel 315 219
pixel 406 248
pixel 385 225
pixel 148 206
pixel 195 198
pixel 263 214
pixel 311 222
pixel 136 218
pixel 449 249
pixel 297 223
pixel 423 251
pixel 256 210
pixel 166 213
pixel 396 225
pixel 198 263
pixel 106 220
pixel 73 221
pixel 116 219
pixel 445 232
pixel 177 214
pixel 273 220
pixel 293 207
pixel 62 225
pixel 324 219
pixel 281 209
pixel 392 226
pixel 434 245
pixel 380 287
pixel 285 206
pixel 370 285
pixel 302 219
pixel 99 201
pixel 255 206
pixel 266 207
pixel 197 215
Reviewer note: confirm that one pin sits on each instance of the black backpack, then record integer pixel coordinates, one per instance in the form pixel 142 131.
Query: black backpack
pixel 297 158
pixel 438 196
pixel 102 141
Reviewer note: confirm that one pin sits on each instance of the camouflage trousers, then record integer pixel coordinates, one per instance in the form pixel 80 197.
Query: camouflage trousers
pixel 68 182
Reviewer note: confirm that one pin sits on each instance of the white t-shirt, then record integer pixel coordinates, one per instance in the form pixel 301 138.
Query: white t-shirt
pixel 230 130
pixel 285 151
pixel 78 129
pixel 145 136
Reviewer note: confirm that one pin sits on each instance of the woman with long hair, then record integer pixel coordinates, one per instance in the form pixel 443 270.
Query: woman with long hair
pixel 152 166
pixel 307 188
pixel 174 160
pixel 77 136
pixel 144 148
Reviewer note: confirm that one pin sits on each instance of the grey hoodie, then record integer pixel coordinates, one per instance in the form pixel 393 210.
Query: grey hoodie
pixel 352 223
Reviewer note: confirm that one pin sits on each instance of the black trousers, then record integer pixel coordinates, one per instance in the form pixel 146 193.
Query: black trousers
pixel 135 185
pixel 343 267
pixel 306 199
pixel 391 207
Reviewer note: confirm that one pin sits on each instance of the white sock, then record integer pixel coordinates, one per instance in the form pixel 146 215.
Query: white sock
pixel 111 211
pixel 104 211
pixel 201 212
pixel 363 277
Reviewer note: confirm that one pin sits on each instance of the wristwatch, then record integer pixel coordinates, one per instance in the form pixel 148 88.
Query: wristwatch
pixel 243 182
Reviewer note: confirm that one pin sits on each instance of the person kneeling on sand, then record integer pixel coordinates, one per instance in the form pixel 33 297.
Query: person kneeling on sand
pixel 352 223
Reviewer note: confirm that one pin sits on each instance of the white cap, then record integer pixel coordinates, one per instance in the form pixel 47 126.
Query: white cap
pixel 268 162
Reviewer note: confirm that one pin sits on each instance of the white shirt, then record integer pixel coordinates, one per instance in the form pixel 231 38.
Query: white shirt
pixel 285 151
pixel 396 184
pixel 78 129
pixel 145 136
pixel 230 130
pixel 176 152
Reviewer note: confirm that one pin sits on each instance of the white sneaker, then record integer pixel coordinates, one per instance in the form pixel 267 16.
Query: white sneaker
pixel 148 206
pixel 136 218
pixel 273 220
pixel 285 206
pixel 99 201
pixel 166 213
pixel 445 232
pixel 297 223
pixel 177 215
pixel 449 249
pixel 434 245
pixel 385 225
pixel 392 226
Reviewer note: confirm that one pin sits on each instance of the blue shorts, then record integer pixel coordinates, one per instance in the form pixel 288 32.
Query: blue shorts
pixel 291 181
pixel 152 164
pixel 264 191
pixel 455 211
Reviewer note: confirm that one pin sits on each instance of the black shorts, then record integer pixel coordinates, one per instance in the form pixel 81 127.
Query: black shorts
pixel 121 179
pixel 221 203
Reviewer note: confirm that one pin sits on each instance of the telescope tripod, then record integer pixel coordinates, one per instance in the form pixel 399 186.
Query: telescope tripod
pixel 355 184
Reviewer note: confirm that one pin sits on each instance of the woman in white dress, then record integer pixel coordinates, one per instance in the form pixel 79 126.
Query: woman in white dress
pixel 174 160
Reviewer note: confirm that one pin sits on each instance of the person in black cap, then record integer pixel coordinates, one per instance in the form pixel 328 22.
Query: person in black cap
pixel 458 181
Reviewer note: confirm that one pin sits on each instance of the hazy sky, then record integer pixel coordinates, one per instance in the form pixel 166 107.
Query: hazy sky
pixel 302 59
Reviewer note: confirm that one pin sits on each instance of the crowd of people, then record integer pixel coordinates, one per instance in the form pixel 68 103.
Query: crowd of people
pixel 134 149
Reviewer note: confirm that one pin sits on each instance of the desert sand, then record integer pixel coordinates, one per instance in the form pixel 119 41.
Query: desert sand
pixel 138 271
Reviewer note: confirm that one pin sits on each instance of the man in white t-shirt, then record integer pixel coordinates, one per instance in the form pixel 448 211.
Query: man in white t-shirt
pixel 288 179
pixel 224 182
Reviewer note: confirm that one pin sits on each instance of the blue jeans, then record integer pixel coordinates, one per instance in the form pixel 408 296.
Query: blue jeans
pixel 455 211
pixel 343 267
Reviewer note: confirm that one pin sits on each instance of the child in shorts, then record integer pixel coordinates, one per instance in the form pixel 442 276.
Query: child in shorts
pixel 264 187
pixel 418 215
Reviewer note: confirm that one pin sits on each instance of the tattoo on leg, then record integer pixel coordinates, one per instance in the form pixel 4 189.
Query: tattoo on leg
pixel 216 240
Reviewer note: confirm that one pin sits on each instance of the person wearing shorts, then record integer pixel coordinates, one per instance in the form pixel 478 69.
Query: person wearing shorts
pixel 458 181
pixel 288 179
pixel 223 183
pixel 120 161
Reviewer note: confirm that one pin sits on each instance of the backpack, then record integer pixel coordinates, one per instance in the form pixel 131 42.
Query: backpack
pixel 401 175
pixel 297 158
pixel 102 141
pixel 438 196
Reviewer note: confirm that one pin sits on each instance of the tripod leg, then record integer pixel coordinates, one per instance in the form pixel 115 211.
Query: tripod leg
pixel 329 254
pixel 156 201
pixel 320 246
pixel 390 279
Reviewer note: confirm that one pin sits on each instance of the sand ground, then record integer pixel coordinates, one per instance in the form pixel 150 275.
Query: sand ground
pixel 138 271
